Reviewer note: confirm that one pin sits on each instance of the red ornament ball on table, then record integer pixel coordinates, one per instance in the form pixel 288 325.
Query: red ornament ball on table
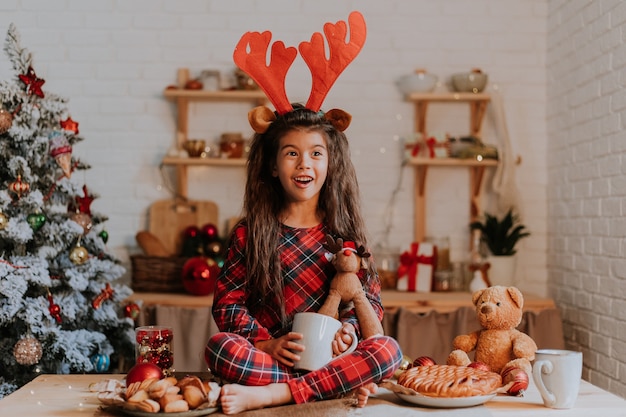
pixel 516 380
pixel 424 361
pixel 143 371
pixel 199 275
pixel 480 365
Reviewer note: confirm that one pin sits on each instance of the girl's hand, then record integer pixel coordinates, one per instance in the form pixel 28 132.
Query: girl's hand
pixel 343 339
pixel 283 349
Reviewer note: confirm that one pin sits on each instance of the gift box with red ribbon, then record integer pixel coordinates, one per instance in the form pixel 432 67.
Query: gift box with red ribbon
pixel 417 268
pixel 437 148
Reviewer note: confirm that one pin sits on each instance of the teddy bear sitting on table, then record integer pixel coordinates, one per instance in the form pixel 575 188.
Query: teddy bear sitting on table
pixel 498 344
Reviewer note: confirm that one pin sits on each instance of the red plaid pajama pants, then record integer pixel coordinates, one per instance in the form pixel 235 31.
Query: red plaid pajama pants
pixel 234 359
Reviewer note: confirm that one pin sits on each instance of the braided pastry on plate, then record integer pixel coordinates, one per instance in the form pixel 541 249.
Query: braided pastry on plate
pixel 444 386
pixel 449 381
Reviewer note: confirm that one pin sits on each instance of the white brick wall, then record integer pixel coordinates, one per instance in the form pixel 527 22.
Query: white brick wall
pixel 113 59
pixel 587 182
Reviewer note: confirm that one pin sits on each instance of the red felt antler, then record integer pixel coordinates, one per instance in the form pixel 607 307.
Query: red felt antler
pixel 326 71
pixel 271 78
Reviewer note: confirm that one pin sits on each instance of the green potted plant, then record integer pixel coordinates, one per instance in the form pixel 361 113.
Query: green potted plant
pixel 501 237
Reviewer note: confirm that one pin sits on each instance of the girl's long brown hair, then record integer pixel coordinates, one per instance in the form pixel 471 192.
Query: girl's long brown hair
pixel 339 202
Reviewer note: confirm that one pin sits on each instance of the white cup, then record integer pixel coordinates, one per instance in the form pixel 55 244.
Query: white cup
pixel 318 332
pixel 557 375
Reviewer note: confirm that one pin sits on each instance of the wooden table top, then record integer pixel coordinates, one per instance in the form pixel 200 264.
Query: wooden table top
pixel 69 396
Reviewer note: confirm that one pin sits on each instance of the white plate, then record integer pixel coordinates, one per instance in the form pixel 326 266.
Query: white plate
pixel 190 413
pixel 456 402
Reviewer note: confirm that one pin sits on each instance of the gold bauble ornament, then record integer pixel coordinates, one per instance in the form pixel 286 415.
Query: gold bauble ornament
pixel 4 221
pixel 6 120
pixel 406 363
pixel 79 255
pixel 27 351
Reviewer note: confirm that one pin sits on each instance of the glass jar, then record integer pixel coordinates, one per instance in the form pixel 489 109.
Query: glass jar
pixel 443 280
pixel 387 263
pixel 443 252
pixel 154 345
pixel 231 145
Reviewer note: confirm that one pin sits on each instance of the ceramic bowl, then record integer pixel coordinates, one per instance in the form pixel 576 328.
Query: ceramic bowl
pixel 469 82
pixel 194 147
pixel 418 82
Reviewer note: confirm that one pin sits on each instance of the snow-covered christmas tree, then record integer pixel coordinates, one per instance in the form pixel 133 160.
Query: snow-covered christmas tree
pixel 61 307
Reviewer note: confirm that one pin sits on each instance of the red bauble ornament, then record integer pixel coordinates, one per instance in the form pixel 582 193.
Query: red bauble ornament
pixel 209 231
pixel 142 371
pixel 517 379
pixel 132 310
pixel 54 309
pixel 424 361
pixel 191 231
pixel 199 275
pixel 480 365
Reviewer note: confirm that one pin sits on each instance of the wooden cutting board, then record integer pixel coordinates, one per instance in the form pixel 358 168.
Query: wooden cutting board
pixel 169 218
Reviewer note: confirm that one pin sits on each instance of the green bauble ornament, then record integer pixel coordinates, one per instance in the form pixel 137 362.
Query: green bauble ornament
pixel 104 235
pixel 36 220
pixel 4 221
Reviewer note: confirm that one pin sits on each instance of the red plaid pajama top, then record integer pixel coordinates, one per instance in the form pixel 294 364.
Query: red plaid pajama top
pixel 307 274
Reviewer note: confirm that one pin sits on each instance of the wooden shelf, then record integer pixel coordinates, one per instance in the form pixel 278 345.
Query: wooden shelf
pixel 459 97
pixel 452 162
pixel 254 96
pixel 478 105
pixel 182 98
pixel 446 302
pixel 443 302
pixel 219 162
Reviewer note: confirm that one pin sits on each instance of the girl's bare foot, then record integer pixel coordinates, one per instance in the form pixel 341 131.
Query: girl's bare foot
pixel 235 398
pixel 364 392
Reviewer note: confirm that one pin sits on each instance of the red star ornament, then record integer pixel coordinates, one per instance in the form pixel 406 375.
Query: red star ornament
pixel 69 125
pixel 83 204
pixel 32 83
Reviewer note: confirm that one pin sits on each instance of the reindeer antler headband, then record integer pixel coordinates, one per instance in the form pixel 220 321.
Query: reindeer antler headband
pixel 250 55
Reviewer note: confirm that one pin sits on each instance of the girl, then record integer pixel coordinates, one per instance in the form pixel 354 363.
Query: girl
pixel 301 186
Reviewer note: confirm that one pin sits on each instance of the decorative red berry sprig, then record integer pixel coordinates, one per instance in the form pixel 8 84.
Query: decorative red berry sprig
pixel 55 309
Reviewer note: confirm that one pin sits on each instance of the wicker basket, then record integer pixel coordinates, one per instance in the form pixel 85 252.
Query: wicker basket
pixel 157 273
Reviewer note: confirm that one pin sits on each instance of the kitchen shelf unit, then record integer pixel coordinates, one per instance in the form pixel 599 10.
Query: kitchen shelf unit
pixel 478 105
pixel 183 98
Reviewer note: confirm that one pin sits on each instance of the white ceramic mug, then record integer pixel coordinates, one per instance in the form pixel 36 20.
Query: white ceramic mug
pixel 557 375
pixel 318 331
